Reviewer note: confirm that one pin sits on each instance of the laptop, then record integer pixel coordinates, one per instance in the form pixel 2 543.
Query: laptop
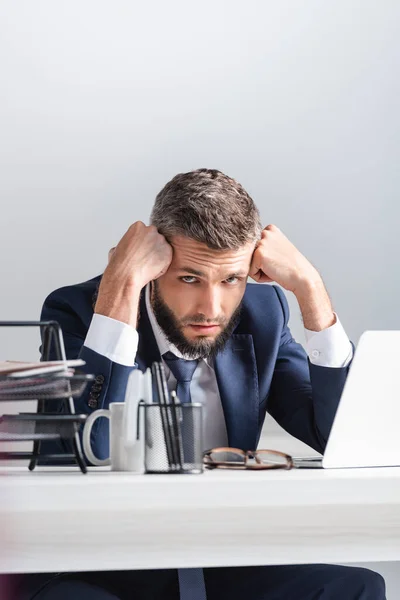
pixel 365 431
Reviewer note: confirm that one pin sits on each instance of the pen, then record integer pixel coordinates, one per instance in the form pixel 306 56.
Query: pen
pixel 162 403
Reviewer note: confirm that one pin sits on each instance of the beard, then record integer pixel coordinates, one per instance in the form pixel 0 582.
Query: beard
pixel 202 346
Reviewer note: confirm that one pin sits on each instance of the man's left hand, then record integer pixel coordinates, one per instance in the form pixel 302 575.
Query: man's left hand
pixel 277 259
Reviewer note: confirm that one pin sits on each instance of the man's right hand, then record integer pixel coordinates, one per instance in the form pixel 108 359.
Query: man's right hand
pixel 142 255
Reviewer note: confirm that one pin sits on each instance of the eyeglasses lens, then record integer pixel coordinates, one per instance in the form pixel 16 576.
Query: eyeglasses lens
pixel 227 457
pixel 269 458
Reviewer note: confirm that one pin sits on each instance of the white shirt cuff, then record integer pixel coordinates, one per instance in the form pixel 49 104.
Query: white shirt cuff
pixel 113 339
pixel 330 347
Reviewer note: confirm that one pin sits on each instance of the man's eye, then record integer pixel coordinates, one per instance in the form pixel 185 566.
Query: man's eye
pixel 188 277
pixel 231 280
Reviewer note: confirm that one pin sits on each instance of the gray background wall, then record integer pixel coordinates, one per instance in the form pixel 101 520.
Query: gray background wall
pixel 102 102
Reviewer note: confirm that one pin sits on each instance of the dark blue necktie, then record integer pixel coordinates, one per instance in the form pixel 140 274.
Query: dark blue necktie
pixel 183 371
pixel 191 581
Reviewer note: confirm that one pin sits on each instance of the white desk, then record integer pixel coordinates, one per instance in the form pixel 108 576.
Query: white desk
pixel 66 521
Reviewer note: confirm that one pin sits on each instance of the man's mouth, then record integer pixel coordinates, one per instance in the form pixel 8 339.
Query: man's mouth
pixel 204 328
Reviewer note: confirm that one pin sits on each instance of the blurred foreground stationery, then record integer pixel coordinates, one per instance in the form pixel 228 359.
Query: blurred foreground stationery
pixel 44 381
pixel 151 430
pixel 173 431
pixel 14 368
pixel 126 445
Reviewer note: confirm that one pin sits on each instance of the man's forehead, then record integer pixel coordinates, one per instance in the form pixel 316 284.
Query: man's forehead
pixel 197 258
pixel 184 246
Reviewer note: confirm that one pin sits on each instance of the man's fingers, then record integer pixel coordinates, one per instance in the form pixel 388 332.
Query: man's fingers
pixel 260 277
pixel 264 278
pixel 256 261
pixel 256 275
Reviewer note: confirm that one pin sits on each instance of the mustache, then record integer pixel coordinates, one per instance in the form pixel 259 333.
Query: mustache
pixel 200 319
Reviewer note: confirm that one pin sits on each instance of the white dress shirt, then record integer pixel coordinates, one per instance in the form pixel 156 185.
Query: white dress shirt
pixel 119 342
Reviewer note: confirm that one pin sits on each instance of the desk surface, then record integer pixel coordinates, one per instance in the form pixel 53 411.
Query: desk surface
pixel 61 520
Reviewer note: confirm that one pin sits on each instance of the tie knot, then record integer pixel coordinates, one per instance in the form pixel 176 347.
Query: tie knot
pixel 181 369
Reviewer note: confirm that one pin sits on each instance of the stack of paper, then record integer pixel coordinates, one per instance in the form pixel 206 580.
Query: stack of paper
pixel 14 368
pixel 47 379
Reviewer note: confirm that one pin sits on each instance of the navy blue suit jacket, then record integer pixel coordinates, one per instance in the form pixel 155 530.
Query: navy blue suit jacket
pixel 262 368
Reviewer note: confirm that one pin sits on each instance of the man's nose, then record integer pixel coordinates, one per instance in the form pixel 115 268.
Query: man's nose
pixel 209 304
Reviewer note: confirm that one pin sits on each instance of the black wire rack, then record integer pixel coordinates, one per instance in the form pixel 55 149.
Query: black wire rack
pixel 58 386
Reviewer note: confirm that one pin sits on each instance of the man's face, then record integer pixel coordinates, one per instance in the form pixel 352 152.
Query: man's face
pixel 197 301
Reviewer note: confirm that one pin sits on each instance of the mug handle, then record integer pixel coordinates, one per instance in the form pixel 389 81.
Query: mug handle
pixel 87 447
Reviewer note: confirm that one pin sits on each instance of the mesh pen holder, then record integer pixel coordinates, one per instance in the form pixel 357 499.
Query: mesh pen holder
pixel 173 437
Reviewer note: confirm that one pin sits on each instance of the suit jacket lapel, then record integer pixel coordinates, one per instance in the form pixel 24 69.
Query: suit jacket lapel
pixel 236 372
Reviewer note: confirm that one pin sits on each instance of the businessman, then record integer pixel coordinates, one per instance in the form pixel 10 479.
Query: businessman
pixel 178 291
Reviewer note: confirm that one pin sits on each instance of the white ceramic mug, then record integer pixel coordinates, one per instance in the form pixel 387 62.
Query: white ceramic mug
pixel 123 457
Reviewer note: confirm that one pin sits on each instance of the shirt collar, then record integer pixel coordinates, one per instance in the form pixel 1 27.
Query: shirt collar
pixel 164 345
